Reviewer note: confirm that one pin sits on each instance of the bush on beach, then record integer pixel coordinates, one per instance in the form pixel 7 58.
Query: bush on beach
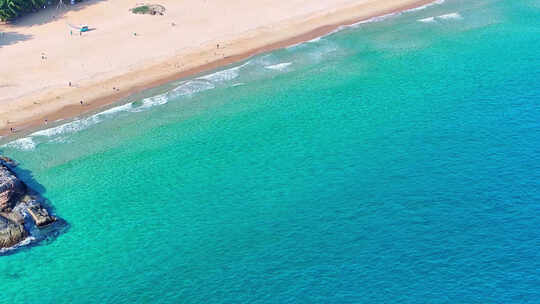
pixel 149 9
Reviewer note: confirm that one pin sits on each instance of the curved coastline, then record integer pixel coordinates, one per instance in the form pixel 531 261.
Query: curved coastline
pixel 161 73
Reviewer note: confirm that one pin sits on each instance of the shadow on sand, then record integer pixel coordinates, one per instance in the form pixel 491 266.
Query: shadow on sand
pixel 45 235
pixel 7 38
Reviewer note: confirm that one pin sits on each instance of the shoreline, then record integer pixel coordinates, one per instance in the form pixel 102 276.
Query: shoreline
pixel 316 26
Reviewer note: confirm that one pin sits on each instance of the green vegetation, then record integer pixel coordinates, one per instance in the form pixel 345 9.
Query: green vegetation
pixel 11 9
pixel 143 9
pixel 150 9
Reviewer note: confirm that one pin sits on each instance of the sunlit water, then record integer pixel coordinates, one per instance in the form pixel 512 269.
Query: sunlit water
pixel 395 161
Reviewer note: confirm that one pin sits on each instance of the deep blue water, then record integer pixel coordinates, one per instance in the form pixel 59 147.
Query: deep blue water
pixel 392 162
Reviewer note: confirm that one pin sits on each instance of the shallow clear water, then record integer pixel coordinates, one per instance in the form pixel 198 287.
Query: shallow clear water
pixel 391 162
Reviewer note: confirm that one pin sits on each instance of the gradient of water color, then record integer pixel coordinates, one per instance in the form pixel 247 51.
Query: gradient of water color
pixel 392 162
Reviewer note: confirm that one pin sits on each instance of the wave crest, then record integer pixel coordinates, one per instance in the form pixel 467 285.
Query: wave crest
pixel 278 67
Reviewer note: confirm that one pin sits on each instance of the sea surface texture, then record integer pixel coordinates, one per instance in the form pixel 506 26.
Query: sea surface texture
pixel 394 161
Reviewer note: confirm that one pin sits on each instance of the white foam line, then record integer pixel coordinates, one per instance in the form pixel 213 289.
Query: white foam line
pixel 186 88
pixel 25 144
pixel 370 20
pixel 122 108
pixel 424 6
pixel 22 243
pixel 427 20
pixel 455 15
pixel 342 27
pixel 449 16
pixel 279 66
pixel 224 75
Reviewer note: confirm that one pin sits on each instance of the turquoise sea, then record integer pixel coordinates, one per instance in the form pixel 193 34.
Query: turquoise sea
pixel 394 161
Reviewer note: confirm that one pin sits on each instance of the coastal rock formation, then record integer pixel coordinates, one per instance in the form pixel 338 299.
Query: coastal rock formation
pixel 8 161
pixel 15 200
pixel 40 215
pixel 11 189
pixel 11 232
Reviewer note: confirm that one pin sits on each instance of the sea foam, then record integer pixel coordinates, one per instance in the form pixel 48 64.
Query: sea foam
pixel 424 6
pixel 427 20
pixel 450 16
pixel 278 67
pixel 24 144
pixel 23 243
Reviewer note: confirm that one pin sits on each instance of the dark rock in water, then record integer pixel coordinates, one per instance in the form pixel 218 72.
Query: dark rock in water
pixel 15 198
pixel 40 215
pixel 11 189
pixel 11 233
pixel 8 161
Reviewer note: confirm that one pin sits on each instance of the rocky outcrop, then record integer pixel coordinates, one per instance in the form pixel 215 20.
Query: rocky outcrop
pixel 11 189
pixel 15 202
pixel 11 232
pixel 40 215
pixel 8 161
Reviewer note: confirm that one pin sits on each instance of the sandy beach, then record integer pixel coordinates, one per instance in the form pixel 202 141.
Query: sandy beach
pixel 49 68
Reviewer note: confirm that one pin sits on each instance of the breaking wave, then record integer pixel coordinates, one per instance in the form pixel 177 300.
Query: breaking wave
pixel 224 75
pixel 427 20
pixel 424 6
pixel 279 66
pixel 449 16
pixel 23 243
pixel 24 144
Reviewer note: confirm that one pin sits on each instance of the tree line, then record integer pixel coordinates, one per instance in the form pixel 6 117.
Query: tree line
pixel 11 9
